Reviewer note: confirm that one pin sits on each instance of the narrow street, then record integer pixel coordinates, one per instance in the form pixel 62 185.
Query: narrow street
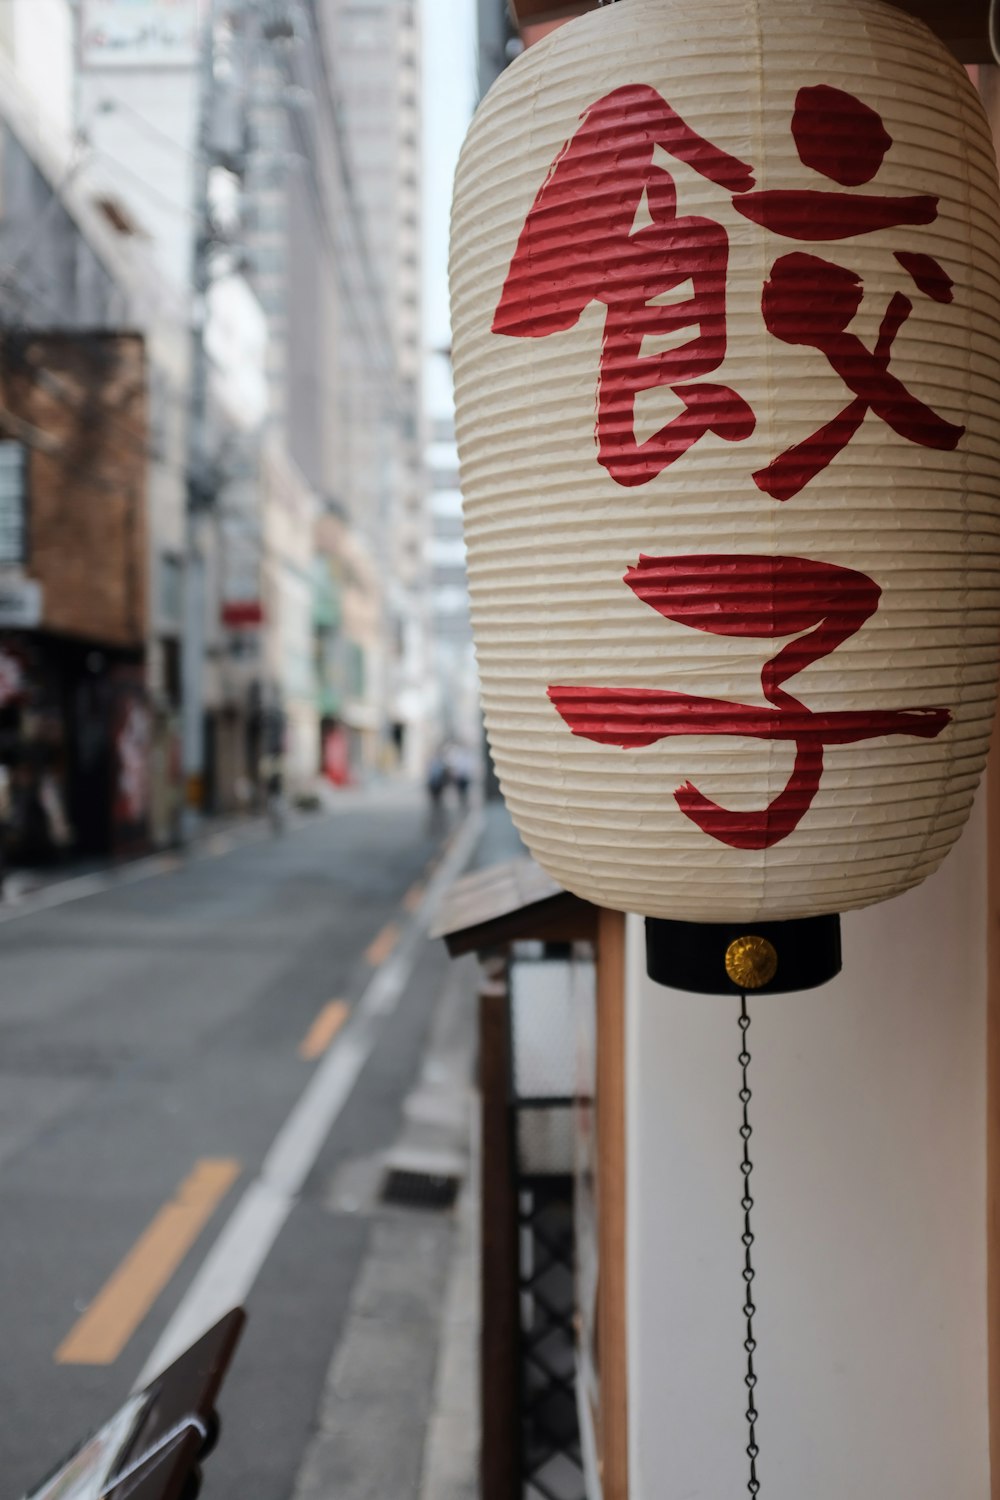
pixel 156 1039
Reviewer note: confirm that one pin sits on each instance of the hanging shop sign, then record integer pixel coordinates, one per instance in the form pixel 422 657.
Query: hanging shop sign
pixel 140 33
pixel 726 305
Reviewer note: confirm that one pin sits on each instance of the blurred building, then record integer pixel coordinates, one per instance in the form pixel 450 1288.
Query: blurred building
pixel 315 621
pixel 37 43
pixel 498 41
pixel 457 712
pixel 140 95
pixel 290 512
pixel 92 456
pixel 333 229
pixel 377 80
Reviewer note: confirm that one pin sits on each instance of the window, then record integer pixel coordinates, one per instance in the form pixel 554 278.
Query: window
pixel 13 503
pixel 355 670
pixel 171 584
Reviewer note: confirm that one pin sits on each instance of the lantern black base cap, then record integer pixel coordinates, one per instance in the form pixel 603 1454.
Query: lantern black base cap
pixel 693 955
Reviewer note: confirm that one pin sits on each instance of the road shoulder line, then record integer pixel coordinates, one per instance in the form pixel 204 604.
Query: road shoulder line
pixel 235 1260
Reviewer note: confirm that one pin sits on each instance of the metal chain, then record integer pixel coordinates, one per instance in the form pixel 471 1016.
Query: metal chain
pixel 749 1309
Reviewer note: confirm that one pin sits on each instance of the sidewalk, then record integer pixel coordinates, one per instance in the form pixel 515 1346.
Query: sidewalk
pixel 399 1415
pixel 399 1409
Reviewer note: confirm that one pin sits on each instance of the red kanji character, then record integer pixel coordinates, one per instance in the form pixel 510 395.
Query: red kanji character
pixel 846 141
pixel 763 598
pixel 579 245
pixel 812 301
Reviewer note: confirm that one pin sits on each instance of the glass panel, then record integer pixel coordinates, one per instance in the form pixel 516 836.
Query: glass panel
pixel 12 506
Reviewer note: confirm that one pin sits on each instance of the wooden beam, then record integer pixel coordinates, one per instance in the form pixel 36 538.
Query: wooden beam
pixel 509 903
pixel 533 11
pixel 993 1105
pixel 500 1438
pixel 611 1167
pixel 962 24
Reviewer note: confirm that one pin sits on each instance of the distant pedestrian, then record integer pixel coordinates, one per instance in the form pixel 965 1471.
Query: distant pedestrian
pixel 437 781
pixel 273 780
pixel 460 769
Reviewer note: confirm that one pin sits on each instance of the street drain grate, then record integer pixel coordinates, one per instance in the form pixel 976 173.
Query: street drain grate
pixel 428 1190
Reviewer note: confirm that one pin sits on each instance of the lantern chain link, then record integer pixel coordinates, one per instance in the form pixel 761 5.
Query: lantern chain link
pixel 747 1203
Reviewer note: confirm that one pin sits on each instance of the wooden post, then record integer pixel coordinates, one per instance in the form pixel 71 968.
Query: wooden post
pixel 611 1197
pixel 993 1104
pixel 500 1451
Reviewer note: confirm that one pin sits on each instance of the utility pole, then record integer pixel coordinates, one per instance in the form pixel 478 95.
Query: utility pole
pixel 200 484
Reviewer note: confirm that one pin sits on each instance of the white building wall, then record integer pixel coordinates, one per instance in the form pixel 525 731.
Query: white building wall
pixel 289 519
pixel 37 36
pixel 869 1181
pixel 141 127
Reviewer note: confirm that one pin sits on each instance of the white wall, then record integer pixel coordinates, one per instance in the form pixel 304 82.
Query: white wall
pixel 39 35
pixel 141 124
pixel 869 1116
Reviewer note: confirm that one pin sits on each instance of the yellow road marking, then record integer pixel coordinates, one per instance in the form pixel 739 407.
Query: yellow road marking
pixel 125 1299
pixel 323 1030
pixel 413 897
pixel 378 951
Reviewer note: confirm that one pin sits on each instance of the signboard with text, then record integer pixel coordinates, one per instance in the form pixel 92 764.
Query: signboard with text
pixel 140 33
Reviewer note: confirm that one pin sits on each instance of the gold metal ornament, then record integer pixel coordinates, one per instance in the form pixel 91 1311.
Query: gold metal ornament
pixel 751 962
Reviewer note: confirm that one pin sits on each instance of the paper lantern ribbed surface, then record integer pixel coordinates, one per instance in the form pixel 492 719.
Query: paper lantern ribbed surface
pixel 726 307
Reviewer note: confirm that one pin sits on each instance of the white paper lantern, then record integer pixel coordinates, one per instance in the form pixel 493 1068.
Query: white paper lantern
pixel 726 293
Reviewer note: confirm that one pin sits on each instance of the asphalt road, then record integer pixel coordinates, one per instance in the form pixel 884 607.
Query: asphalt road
pixel 151 1049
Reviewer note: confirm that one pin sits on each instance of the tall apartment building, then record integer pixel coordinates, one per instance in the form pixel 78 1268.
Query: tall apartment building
pixel 374 54
pixel 332 228
pixel 454 666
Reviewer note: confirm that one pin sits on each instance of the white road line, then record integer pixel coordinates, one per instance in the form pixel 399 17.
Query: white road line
pixel 80 886
pixel 235 1260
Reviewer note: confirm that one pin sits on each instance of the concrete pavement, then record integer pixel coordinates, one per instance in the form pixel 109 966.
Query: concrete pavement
pixel 152 1028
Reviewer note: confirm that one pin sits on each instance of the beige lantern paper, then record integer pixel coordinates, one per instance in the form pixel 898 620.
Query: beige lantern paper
pixel 725 294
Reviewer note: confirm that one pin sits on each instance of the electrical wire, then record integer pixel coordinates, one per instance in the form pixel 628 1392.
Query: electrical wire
pixel 994 29
pixel 53 385
pixel 47 381
pixel 328 96
pixel 382 339
pixel 143 183
pixel 112 104
pixel 76 162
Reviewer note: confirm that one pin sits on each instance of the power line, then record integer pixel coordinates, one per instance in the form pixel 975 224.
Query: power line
pixel 76 162
pixel 328 95
pixel 143 183
pixel 382 339
pixel 47 380
pixel 112 104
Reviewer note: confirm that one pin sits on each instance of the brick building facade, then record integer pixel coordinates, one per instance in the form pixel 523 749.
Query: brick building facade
pixel 74 719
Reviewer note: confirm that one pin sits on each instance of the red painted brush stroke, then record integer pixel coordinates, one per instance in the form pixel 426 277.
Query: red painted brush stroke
pixel 810 301
pixel 764 598
pixel 928 275
pixel 578 245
